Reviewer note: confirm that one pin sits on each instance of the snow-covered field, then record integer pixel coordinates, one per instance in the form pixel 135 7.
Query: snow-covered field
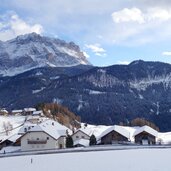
pixel 119 160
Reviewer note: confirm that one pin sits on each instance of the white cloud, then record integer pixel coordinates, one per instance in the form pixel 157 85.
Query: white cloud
pixel 123 62
pixel 136 26
pixel 96 49
pixel 12 26
pixel 137 15
pixel 167 53
pixel 158 14
pixel 101 54
pixel 128 15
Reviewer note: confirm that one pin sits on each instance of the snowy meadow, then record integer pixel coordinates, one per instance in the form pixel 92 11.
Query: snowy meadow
pixel 118 160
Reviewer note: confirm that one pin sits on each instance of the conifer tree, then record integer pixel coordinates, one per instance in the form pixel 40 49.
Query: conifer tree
pixel 69 142
pixel 93 140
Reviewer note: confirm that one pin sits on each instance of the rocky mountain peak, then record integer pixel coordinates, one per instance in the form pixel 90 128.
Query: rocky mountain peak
pixel 32 50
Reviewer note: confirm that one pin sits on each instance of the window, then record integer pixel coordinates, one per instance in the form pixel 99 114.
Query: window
pixel 37 138
pixel 47 138
pixel 25 129
pixel 82 137
pixel 77 136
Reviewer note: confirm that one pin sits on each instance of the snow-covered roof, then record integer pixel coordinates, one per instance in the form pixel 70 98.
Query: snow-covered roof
pixel 17 111
pixel 82 142
pixel 29 109
pixel 37 112
pixel 11 138
pixel 4 110
pixel 88 132
pixel 120 129
pixel 93 129
pixel 52 128
pixel 146 129
pixel 27 126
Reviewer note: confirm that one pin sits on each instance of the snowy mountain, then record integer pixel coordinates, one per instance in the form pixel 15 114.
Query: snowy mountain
pixel 30 51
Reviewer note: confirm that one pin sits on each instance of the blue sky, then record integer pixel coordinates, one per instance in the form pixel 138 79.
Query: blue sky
pixel 109 32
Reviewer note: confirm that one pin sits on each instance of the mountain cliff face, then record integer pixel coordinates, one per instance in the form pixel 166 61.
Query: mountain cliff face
pixel 100 95
pixel 30 51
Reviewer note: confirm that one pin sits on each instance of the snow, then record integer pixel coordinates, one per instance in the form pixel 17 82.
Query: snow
pixel 17 111
pixel 95 92
pixel 38 90
pixel 55 78
pixel 38 73
pixel 83 142
pixel 104 80
pixel 43 51
pixel 10 149
pixel 158 106
pixel 80 106
pixel 119 129
pixel 15 121
pixel 94 129
pixel 119 160
pixel 145 83
pixel 141 96
pixel 164 138
pixel 30 109
pixel 146 129
pixel 39 112
pixel 51 127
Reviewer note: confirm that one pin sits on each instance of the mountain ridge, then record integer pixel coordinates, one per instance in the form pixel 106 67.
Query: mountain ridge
pixel 100 95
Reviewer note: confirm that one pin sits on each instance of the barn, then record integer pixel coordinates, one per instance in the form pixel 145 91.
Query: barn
pixel 115 135
pixel 145 135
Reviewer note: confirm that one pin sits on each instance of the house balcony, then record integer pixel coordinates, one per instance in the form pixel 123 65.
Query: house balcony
pixel 37 141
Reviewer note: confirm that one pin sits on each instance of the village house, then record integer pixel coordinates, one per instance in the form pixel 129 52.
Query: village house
pixel 3 111
pixel 145 135
pixel 13 140
pixel 114 135
pixel 35 117
pixel 47 135
pixel 28 111
pixel 81 138
pixel 17 112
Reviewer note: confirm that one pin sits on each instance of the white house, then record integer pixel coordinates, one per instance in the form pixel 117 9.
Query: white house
pixel 80 134
pixel 81 137
pixel 47 135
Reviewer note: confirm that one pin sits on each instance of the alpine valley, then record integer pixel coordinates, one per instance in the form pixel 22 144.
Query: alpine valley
pixel 36 69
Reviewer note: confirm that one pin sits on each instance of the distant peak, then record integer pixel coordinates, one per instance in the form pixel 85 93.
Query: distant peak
pixel 29 35
pixel 136 62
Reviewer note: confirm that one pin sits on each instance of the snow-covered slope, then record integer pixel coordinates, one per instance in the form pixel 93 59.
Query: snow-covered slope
pixel 32 51
pixel 15 122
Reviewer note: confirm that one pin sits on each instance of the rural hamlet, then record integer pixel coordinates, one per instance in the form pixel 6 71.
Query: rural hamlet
pixel 37 132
